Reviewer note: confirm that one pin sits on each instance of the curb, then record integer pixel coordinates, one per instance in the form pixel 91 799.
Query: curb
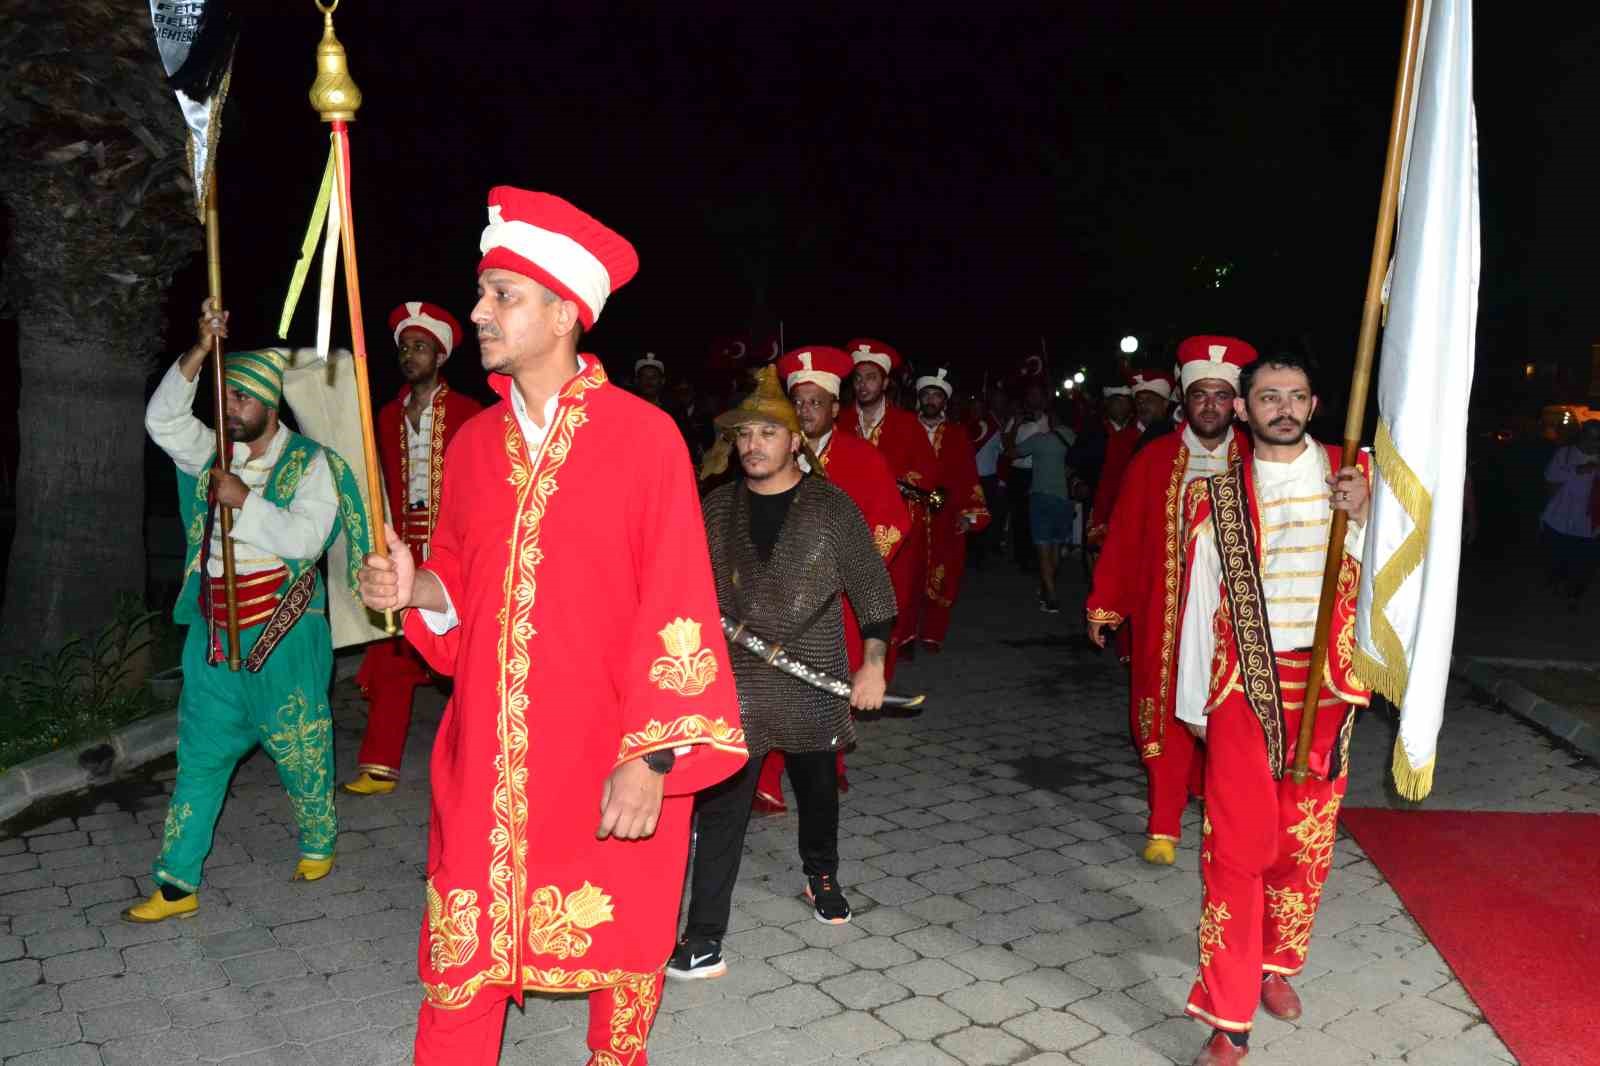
pixel 1558 720
pixel 86 763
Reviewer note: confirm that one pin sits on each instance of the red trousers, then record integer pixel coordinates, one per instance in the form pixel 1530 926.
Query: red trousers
pixel 619 1025
pixel 1171 777
pixel 389 675
pixel 1265 852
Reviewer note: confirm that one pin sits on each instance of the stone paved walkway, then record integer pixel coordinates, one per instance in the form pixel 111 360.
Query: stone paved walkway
pixel 1002 913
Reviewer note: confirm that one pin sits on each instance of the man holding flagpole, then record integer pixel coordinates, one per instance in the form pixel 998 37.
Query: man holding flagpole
pixel 1255 541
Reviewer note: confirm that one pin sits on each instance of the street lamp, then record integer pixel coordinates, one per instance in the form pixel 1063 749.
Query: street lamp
pixel 1130 344
pixel 1078 378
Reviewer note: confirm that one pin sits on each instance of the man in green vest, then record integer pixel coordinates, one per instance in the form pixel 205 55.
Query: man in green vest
pixel 289 496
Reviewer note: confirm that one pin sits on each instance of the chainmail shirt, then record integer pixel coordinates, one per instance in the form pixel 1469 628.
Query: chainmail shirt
pixel 823 549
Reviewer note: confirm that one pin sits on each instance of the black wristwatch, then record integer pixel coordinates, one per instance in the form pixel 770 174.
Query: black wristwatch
pixel 660 761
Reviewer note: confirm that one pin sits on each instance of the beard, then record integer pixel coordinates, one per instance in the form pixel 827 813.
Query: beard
pixel 932 412
pixel 247 431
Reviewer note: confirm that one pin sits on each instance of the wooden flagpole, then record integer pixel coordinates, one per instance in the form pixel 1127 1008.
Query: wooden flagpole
pixel 1360 380
pixel 336 98
pixel 219 395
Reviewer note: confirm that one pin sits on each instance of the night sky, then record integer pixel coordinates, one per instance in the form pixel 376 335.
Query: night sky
pixel 963 186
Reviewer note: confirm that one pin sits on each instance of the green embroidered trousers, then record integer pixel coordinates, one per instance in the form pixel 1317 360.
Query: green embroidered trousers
pixel 223 715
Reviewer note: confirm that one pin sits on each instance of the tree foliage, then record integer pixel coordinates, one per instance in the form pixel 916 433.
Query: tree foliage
pixel 94 166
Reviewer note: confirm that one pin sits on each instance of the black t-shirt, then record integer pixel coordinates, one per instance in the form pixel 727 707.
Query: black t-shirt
pixel 767 513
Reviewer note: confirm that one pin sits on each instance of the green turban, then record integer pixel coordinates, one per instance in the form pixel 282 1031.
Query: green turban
pixel 258 374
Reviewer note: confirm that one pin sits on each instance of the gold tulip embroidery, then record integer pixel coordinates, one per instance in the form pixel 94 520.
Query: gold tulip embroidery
pixel 687 668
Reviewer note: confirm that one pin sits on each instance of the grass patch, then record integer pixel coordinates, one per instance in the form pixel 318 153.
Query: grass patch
pixel 86 690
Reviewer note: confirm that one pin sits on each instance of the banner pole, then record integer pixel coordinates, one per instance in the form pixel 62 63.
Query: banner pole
pixel 1361 378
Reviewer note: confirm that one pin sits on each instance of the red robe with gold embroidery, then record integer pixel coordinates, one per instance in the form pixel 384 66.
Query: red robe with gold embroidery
pixel 391 670
pixel 1136 587
pixel 863 473
pixel 1119 453
pixel 946 542
pixel 589 634
pixel 899 436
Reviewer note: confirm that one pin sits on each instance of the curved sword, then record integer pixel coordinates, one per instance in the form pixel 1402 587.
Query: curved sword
pixel 774 655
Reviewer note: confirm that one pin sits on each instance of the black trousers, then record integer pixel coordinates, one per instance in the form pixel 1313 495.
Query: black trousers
pixel 722 814
pixel 1018 482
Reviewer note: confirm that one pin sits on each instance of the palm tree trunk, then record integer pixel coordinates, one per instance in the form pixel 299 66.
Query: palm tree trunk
pixel 80 486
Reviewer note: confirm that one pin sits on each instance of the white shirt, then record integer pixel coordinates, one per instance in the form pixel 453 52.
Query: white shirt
pixel 442 622
pixel 1204 462
pixel 989 456
pixel 1294 504
pixel 263 534
pixel 1028 428
pixel 1568 509
pixel 931 428
pixel 419 452
pixel 866 428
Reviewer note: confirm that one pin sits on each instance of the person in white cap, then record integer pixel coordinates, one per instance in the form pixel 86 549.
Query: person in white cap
pixel 414 429
pixel 962 511
pixel 649 378
pixel 1136 581
pixel 571 597
pixel 1152 402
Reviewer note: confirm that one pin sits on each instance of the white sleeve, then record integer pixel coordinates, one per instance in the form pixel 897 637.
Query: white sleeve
pixel 170 421
pixel 440 622
pixel 1196 641
pixel 300 530
pixel 1355 538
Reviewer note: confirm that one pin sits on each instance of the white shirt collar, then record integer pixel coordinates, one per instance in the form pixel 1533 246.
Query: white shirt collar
pixel 1306 464
pixel 534 434
pixel 1192 442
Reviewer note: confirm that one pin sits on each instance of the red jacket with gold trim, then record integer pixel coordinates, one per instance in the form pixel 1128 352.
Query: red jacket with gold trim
pixel 589 634
pixel 947 542
pixel 451 410
pixel 1341 684
pixel 863 473
pixel 1136 579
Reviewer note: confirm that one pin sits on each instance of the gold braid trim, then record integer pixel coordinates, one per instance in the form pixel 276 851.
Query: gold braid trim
pixel 534 484
pixel 1241 580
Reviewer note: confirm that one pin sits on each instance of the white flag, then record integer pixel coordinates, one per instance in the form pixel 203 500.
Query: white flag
pixel 321 392
pixel 178 26
pixel 1406 617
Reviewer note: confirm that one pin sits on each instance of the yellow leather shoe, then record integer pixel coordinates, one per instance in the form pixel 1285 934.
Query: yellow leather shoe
pixel 158 908
pixel 313 869
pixel 367 785
pixel 1158 852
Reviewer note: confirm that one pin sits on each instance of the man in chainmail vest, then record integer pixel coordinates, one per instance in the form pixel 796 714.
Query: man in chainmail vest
pixel 784 548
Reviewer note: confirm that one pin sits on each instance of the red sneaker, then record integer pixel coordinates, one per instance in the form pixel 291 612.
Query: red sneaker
pixel 1219 1051
pixel 1279 997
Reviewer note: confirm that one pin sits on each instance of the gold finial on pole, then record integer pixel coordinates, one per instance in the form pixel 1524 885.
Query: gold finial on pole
pixel 334 94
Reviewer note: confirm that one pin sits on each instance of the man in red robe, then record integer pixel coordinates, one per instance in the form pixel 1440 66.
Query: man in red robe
pixel 814 377
pixel 569 592
pixel 962 511
pixel 414 429
pixel 1152 404
pixel 1256 540
pixel 896 433
pixel 1136 581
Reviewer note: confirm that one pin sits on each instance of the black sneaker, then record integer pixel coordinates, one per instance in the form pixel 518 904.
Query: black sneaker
pixel 697 960
pixel 1049 606
pixel 823 894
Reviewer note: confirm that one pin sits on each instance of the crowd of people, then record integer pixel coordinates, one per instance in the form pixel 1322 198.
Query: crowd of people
pixel 648 615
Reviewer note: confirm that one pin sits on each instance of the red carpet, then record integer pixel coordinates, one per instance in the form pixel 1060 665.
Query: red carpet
pixel 1512 902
